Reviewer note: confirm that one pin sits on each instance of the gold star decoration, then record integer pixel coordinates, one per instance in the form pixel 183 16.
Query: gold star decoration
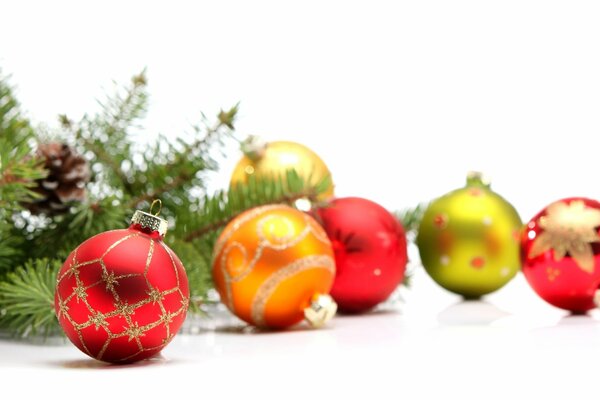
pixel 569 228
pixel 98 319
pixel 185 303
pixel 80 292
pixel 123 309
pixel 110 280
pixel 72 269
pixel 134 332
pixel 155 295
pixel 63 308
pixel 166 318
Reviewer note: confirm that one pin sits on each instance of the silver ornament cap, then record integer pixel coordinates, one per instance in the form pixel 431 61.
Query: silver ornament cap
pixel 321 309
pixel 151 222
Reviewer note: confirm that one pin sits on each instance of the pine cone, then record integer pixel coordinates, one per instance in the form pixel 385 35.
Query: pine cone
pixel 68 172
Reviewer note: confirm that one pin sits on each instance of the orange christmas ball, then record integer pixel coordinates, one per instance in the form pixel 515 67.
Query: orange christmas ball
pixel 273 266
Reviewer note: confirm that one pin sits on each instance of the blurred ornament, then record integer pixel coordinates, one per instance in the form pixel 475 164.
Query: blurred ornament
pixel 274 159
pixel 68 173
pixel 370 252
pixel 468 240
pixel 560 249
pixel 122 295
pixel 273 265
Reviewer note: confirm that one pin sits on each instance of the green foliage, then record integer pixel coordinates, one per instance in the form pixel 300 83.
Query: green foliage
pixel 197 259
pixel 27 298
pixel 11 246
pixel 218 209
pixel 108 134
pixel 18 170
pixel 411 218
pixel 65 232
pixel 125 176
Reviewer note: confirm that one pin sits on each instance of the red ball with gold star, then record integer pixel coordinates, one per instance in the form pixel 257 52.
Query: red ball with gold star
pixel 370 252
pixel 560 249
pixel 122 295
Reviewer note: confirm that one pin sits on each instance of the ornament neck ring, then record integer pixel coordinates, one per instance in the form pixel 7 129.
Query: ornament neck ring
pixel 150 223
pixel 476 178
pixel 254 147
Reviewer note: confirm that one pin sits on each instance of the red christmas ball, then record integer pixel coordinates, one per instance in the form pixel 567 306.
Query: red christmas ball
pixel 370 252
pixel 122 295
pixel 560 250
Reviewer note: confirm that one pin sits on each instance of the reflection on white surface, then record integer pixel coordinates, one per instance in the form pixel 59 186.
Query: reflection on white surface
pixel 471 312
pixel 89 363
pixel 430 344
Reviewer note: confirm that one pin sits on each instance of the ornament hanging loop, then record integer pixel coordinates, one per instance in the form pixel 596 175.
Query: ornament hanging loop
pixel 156 201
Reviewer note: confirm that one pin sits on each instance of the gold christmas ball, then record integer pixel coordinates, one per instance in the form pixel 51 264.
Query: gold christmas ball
pixel 273 266
pixel 276 158
pixel 468 240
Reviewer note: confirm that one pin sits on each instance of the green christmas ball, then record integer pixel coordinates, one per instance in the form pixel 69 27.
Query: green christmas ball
pixel 468 240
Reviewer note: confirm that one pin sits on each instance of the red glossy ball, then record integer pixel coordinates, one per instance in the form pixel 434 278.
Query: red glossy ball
pixel 122 295
pixel 370 252
pixel 560 251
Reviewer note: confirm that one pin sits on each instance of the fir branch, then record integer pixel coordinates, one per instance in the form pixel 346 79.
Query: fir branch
pixel 107 135
pixel 220 209
pixel 226 119
pixel 120 112
pixel 410 218
pixel 18 169
pixel 75 130
pixel 159 192
pixel 27 299
pixel 66 232
pixel 408 279
pixel 216 225
pixel 109 161
pixel 198 263
pixel 180 172
pixel 213 226
pixel 11 246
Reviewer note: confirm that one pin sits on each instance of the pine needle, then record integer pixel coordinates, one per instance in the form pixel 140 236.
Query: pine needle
pixel 410 218
pixel 27 299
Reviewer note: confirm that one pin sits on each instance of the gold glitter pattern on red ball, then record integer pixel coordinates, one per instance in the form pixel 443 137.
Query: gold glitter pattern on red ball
pixel 116 309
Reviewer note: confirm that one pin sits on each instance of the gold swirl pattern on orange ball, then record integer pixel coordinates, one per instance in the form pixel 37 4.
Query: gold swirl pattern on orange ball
pixel 269 263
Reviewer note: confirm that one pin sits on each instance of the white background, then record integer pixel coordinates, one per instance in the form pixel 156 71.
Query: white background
pixel 400 99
